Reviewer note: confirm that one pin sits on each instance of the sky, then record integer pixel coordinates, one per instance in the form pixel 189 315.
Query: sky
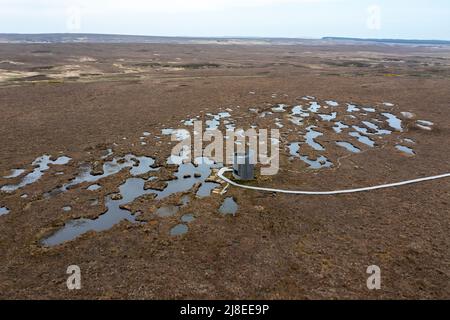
pixel 399 19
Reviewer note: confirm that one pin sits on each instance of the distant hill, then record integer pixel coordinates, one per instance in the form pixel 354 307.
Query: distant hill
pixel 113 38
pixel 395 41
pixel 83 38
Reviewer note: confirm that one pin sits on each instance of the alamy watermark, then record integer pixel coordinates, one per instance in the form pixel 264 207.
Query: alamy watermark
pixel 374 17
pixel 74 280
pixel 374 280
pixel 73 19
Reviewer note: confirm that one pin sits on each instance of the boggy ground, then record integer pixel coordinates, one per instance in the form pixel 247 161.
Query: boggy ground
pixel 79 100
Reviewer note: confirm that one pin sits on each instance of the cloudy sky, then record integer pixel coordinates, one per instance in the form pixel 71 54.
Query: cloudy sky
pixel 418 19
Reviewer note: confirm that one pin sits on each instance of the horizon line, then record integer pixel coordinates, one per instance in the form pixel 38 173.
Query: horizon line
pixel 224 37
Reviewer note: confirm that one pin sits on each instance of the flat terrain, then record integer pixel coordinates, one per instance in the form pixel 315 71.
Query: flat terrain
pixel 97 103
